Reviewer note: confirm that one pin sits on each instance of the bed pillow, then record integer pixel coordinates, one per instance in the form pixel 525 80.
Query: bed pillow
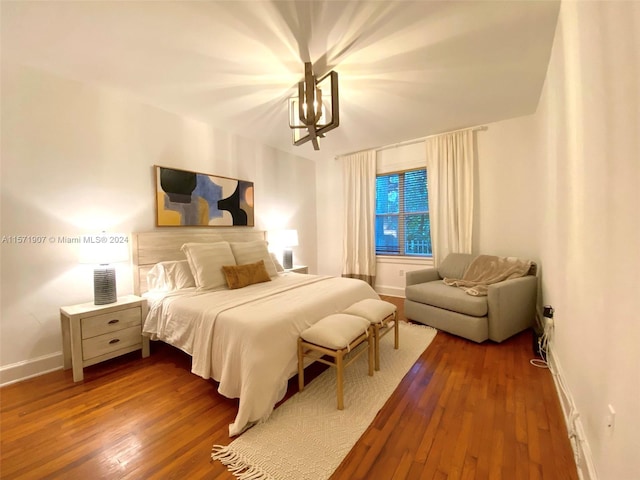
pixel 276 263
pixel 239 276
pixel 170 276
pixel 251 252
pixel 206 261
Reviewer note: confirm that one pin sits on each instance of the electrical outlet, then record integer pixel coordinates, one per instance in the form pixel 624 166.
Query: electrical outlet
pixel 610 418
pixel 402 273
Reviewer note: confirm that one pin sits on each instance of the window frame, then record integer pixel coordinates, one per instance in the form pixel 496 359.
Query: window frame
pixel 402 215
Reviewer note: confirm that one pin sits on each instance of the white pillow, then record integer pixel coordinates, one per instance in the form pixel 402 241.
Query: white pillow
pixel 276 263
pixel 169 276
pixel 252 252
pixel 206 261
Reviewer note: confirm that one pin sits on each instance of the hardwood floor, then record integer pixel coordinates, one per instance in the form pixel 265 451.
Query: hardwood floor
pixel 464 411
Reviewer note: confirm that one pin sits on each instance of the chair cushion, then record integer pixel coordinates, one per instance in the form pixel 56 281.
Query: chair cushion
pixel 336 331
pixel 372 309
pixel 437 294
pixel 455 264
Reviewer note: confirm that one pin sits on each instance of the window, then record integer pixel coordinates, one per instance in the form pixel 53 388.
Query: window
pixel 402 214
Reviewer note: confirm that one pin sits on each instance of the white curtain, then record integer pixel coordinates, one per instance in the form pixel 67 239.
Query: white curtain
pixel 450 161
pixel 359 249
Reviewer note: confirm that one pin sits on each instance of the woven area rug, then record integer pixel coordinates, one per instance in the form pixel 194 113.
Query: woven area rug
pixel 307 437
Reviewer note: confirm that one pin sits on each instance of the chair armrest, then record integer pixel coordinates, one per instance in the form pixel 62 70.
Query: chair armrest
pixel 413 277
pixel 512 306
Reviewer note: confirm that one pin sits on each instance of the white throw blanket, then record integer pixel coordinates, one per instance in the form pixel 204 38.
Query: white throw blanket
pixel 486 270
pixel 246 339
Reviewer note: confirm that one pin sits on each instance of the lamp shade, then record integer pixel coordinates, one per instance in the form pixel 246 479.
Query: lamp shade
pixel 290 238
pixel 104 248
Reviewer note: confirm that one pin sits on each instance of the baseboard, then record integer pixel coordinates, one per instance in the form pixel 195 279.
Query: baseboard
pixel 16 372
pixel 582 451
pixel 390 291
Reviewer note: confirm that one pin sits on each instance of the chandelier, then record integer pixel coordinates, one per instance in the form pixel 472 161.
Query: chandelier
pixel 314 111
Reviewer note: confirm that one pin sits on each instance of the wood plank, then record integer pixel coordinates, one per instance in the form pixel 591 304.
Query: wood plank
pixel 464 411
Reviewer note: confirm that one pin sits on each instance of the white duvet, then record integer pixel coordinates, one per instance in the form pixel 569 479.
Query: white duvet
pixel 246 339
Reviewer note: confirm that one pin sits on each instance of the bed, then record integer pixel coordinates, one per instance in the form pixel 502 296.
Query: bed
pixel 244 338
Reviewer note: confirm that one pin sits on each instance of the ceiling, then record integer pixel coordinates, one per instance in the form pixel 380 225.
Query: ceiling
pixel 406 69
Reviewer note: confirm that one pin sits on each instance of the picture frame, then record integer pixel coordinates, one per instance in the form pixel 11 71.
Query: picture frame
pixel 192 199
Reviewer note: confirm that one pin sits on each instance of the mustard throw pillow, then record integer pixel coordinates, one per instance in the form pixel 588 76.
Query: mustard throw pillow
pixel 239 276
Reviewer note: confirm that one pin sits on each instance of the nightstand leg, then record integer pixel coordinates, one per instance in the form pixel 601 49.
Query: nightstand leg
pixel 146 351
pixel 66 342
pixel 78 373
pixel 145 347
pixel 76 349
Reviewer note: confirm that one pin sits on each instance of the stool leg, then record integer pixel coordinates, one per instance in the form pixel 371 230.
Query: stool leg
pixel 370 346
pixel 339 381
pixel 396 328
pixel 376 341
pixel 300 365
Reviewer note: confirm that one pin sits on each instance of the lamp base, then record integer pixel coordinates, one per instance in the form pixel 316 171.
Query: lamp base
pixel 287 259
pixel 104 285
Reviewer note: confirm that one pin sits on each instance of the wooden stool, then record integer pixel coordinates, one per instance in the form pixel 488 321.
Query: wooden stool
pixel 335 336
pixel 380 314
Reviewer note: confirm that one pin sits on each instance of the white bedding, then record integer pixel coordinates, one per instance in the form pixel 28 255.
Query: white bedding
pixel 246 339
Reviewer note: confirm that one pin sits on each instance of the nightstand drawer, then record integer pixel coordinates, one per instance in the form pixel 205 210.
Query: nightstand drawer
pixel 111 322
pixel 111 342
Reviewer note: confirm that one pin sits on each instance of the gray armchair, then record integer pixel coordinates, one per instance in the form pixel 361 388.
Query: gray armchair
pixel 508 308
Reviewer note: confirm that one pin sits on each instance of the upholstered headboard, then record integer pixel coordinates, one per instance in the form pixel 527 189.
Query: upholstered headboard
pixel 149 248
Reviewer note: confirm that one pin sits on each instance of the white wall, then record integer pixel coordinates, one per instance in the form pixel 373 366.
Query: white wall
pixel 590 243
pixel 561 187
pixel 508 189
pixel 330 216
pixel 77 159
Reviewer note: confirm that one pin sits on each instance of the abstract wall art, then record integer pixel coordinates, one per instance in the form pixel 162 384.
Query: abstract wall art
pixel 191 199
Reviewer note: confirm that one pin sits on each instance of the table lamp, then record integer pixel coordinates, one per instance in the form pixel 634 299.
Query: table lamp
pixel 103 250
pixel 289 239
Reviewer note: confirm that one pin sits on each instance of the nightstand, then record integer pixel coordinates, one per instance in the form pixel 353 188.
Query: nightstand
pixel 298 269
pixel 94 333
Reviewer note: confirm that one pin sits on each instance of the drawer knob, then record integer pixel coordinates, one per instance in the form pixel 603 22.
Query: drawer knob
pixel 115 340
pixel 114 321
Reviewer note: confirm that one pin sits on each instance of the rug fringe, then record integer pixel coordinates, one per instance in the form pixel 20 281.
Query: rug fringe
pixel 237 465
